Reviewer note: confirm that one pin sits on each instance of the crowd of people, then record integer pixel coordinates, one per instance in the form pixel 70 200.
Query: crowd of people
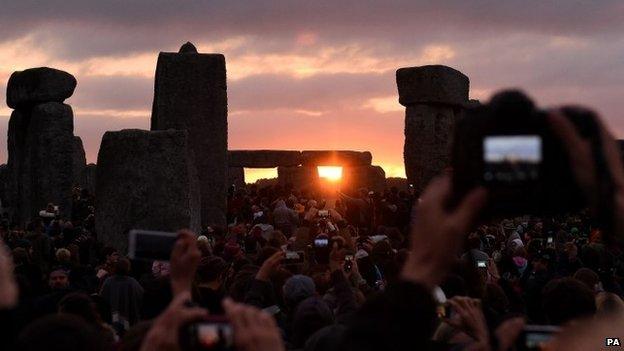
pixel 297 270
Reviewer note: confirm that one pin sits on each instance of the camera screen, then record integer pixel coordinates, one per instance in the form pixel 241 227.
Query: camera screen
pixel 320 242
pixel 512 158
pixel 217 336
pixel 537 341
pixel 153 246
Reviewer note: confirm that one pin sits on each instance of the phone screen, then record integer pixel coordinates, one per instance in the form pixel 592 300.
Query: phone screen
pixel 151 245
pixel 293 257
pixel 511 158
pixel 214 336
pixel 536 337
pixel 481 264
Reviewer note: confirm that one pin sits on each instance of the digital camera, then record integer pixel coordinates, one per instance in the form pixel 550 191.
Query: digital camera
pixel 509 147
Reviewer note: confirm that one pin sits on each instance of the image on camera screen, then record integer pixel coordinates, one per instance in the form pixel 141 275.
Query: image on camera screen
pixel 511 158
pixel 215 336
pixel 537 341
pixel 320 242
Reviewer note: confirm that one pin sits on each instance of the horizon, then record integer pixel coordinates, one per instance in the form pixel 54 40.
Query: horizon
pixel 319 75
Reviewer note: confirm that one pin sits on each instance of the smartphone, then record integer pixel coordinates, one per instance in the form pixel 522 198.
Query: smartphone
pixel 482 264
pixel 293 257
pixel 150 245
pixel 321 250
pixel 348 265
pixel 536 337
pixel 323 213
pixel 215 334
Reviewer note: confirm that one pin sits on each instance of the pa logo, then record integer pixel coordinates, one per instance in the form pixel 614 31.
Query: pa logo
pixel 612 342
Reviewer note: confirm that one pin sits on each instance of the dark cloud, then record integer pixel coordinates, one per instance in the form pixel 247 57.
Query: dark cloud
pixel 78 28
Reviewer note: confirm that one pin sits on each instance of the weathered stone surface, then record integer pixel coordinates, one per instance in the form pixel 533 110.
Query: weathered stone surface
pixel 300 177
pixel 236 176
pixel 4 172
pixel 188 48
pixel 47 171
pixel 79 163
pixel 435 84
pixel 263 158
pixel 16 140
pixel 369 177
pixel 428 137
pixel 435 97
pixel 336 158
pixel 38 85
pixel 145 180
pixel 90 176
pixel 190 93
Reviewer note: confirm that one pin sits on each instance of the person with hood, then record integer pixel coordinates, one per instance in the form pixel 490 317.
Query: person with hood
pixel 285 218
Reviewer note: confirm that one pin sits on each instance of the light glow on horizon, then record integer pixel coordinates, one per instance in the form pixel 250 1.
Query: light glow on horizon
pixel 330 173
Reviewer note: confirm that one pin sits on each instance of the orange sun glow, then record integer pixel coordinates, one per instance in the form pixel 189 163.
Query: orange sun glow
pixel 333 174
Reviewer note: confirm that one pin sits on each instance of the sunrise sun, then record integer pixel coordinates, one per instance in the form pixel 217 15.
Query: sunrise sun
pixel 331 173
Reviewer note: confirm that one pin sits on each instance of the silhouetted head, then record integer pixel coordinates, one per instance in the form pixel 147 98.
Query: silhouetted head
pixel 566 299
pixel 62 333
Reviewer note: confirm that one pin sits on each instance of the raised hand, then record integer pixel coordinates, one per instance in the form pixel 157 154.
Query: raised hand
pixel 184 260
pixel 583 165
pixel 165 332
pixel 8 286
pixel 436 233
pixel 254 330
pixel 269 266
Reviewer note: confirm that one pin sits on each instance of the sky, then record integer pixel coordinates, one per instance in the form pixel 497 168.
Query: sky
pixel 316 74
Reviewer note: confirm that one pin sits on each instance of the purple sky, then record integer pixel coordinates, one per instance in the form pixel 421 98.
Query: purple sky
pixel 320 74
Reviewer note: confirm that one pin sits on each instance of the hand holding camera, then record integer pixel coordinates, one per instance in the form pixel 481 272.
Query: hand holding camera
pixel 437 233
pixel 269 266
pixel 538 162
pixel 165 332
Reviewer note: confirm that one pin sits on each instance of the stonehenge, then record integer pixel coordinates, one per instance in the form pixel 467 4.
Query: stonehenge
pixel 263 158
pixel 434 97
pixel 145 180
pixel 40 141
pixel 190 94
pixel 177 173
pixel 38 85
pixel 299 168
pixel 79 164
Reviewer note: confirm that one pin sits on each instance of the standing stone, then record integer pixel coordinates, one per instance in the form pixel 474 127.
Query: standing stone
pixel 263 158
pixel 79 163
pixel 300 177
pixel 48 159
pixel 39 85
pixel 3 186
pixel 90 176
pixel 16 140
pixel 369 177
pixel 190 93
pixel 336 158
pixel 145 180
pixel 236 177
pixel 434 97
